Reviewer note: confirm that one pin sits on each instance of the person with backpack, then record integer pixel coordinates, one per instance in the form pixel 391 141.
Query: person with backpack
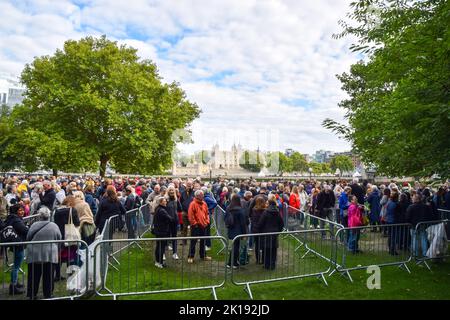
pixel 212 204
pixel 42 259
pixel 15 230
pixel 236 224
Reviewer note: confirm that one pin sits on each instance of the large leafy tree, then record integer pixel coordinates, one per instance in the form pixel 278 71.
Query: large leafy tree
pixel 343 163
pixel 398 108
pixel 278 162
pixel 299 163
pixel 95 102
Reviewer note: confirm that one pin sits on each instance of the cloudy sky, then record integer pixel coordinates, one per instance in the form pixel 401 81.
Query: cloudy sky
pixel 262 71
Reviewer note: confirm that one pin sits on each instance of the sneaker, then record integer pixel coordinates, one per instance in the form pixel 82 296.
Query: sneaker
pixel 164 257
pixel 159 265
pixel 207 258
pixel 170 248
pixel 190 260
pixel 207 248
pixel 250 249
pixel 175 256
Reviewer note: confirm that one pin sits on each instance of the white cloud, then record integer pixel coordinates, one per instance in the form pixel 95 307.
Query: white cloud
pixel 249 65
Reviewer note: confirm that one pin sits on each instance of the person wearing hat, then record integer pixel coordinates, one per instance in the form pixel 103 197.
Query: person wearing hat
pixel 15 220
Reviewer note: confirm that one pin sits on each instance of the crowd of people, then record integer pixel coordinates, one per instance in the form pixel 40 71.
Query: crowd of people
pixel 183 208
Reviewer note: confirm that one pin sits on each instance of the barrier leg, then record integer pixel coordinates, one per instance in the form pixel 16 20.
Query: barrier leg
pixel 419 262
pixel 321 277
pixel 249 291
pixel 404 266
pixel 346 273
pixel 214 293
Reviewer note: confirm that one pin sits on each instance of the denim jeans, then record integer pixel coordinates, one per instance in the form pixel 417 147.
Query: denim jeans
pixel 353 240
pixel 422 238
pixel 131 225
pixel 18 259
pixel 328 215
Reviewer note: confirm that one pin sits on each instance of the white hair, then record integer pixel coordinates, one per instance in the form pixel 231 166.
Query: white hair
pixel 198 192
pixel 44 212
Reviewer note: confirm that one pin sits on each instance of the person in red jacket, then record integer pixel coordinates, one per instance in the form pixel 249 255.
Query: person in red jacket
pixel 198 217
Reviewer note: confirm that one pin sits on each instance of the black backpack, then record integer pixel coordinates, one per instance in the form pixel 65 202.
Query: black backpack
pixel 8 234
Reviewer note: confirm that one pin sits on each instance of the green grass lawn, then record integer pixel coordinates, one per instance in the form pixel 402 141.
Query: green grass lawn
pixel 136 272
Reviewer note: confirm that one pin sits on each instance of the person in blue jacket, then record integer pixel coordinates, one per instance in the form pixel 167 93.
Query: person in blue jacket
pixel 344 204
pixel 374 199
pixel 212 204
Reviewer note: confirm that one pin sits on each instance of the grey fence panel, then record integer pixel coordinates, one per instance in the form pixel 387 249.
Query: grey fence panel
pixel 298 220
pixel 62 267
pixel 31 219
pixel 361 247
pixel 277 258
pixel 429 241
pixel 138 271
pixel 219 226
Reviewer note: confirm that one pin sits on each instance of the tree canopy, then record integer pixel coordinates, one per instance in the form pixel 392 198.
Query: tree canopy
pixel 398 108
pixel 341 162
pixel 95 102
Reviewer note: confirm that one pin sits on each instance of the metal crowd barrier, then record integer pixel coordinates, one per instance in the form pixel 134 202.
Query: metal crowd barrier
pixel 430 241
pixel 62 267
pixel 298 220
pixel 219 225
pixel 137 274
pixel 280 259
pixel 360 247
pixel 31 219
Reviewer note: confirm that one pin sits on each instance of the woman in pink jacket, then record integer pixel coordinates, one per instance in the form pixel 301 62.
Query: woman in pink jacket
pixel 354 221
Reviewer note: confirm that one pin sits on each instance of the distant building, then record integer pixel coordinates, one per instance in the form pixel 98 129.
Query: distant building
pixel 323 156
pixel 11 91
pixel 355 159
pixel 289 152
pixel 308 158
pixel 221 159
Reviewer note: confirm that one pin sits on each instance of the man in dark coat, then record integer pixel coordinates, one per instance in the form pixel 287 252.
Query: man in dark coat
pixel 49 196
pixel 357 191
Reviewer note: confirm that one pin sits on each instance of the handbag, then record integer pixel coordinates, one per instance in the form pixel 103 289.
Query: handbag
pixel 88 229
pixel 71 232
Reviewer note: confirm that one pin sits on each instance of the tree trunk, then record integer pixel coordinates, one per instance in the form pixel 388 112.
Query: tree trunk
pixel 55 172
pixel 103 162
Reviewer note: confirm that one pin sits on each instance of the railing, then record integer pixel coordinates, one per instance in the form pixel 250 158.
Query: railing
pixel 280 258
pixel 62 267
pixel 429 241
pixel 145 267
pixel 360 247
